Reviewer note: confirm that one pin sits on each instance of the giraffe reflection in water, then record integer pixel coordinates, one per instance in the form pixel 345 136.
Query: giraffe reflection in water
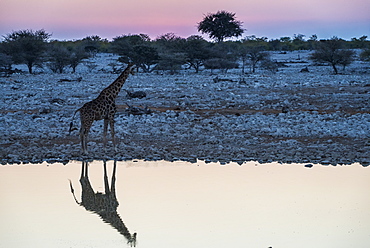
pixel 103 204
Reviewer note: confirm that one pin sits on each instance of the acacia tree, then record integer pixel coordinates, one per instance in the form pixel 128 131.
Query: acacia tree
pixel 137 49
pixel 197 50
pixel 27 47
pixel 171 52
pixel 78 54
pixel 59 58
pixel 220 26
pixel 5 62
pixel 365 55
pixel 252 49
pixel 223 56
pixel 332 52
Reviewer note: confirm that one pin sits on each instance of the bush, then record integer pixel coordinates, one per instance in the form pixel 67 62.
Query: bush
pixel 137 49
pixel 59 58
pixel 27 47
pixel 269 65
pixel 76 57
pixel 220 63
pixel 5 64
pixel 332 52
pixel 365 55
pixel 171 62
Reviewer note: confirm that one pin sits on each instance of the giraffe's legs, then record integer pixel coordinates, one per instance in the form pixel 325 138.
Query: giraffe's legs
pixel 84 131
pixel 105 134
pixel 83 137
pixel 113 134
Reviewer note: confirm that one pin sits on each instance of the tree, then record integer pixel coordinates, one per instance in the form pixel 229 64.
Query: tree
pixel 144 56
pixel 171 52
pixel 27 47
pixel 170 42
pixel 220 26
pixel 197 50
pixel 171 62
pixel 223 56
pixel 358 42
pixel 311 42
pixel 298 42
pixel 286 43
pixel 59 57
pixel 137 49
pixel 252 49
pixel 332 52
pixel 77 55
pixel 94 44
pixel 5 62
pixel 365 55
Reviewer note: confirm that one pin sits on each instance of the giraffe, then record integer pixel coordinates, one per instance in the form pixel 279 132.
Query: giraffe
pixel 102 107
pixel 103 204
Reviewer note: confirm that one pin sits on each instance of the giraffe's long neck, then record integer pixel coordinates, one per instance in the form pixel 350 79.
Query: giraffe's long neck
pixel 114 88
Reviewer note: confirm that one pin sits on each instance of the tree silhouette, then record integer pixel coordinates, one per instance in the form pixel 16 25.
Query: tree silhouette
pixel 59 58
pixel 137 49
pixel 220 26
pixel 332 52
pixel 77 55
pixel 197 50
pixel 171 52
pixel 365 55
pixel 27 47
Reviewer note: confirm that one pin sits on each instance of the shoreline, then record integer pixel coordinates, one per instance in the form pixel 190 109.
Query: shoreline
pixel 287 117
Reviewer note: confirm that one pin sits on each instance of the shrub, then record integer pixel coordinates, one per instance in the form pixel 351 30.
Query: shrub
pixel 332 52
pixel 27 47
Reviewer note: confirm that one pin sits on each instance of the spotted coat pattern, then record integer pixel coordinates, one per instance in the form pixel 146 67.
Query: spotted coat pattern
pixel 103 107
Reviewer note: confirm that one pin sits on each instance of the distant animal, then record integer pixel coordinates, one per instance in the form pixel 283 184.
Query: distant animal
pixel 136 94
pixel 103 107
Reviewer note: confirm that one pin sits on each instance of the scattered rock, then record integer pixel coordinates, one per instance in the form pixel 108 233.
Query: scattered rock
pixel 305 69
pixel 287 117
pixel 136 94
pixel 132 110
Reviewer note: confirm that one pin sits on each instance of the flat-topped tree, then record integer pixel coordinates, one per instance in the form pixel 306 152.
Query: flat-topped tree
pixel 27 47
pixel 332 51
pixel 220 26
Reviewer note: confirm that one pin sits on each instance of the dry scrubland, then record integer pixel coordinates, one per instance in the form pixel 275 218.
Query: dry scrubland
pixel 288 116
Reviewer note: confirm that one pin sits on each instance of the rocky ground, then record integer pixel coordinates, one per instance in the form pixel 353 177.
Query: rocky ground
pixel 288 116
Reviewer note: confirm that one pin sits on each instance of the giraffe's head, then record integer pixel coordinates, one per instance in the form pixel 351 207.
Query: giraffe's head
pixel 132 68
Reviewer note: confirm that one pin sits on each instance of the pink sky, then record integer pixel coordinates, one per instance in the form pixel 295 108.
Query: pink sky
pixel 76 19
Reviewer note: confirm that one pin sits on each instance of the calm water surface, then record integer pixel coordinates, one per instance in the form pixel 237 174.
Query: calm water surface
pixel 184 205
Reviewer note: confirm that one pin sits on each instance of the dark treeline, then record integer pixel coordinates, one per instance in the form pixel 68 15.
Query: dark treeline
pixel 170 52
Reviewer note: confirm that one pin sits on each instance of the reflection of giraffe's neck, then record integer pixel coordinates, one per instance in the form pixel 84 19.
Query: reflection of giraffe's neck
pixel 103 204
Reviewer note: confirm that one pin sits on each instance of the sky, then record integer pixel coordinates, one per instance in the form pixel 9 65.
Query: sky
pixel 76 19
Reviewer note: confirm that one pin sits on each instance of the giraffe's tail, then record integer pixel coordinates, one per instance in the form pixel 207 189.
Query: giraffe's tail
pixel 71 124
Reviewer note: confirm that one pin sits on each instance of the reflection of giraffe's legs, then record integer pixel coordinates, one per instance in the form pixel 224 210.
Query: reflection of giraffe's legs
pixel 113 133
pixel 105 134
pixel 113 183
pixel 84 165
pixel 106 183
